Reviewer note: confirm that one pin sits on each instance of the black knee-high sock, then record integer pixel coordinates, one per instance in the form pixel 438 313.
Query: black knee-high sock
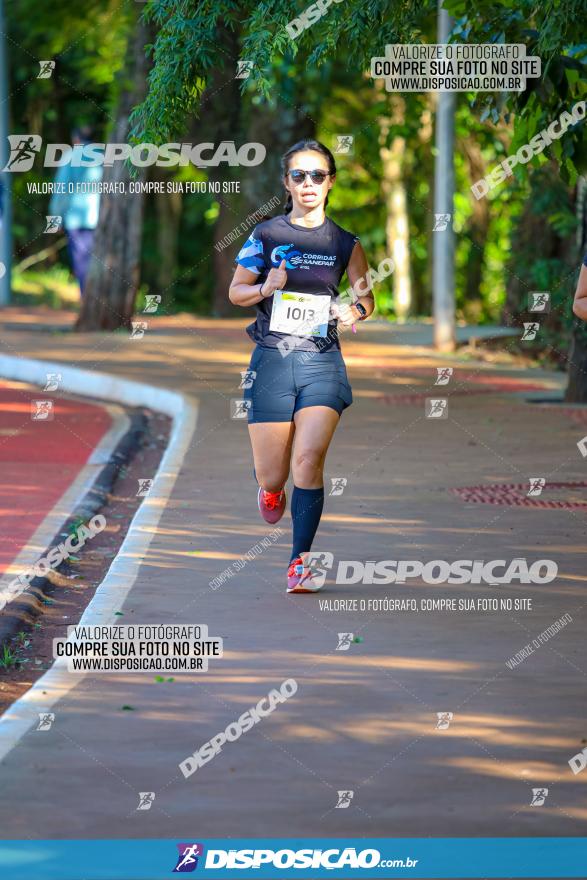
pixel 306 510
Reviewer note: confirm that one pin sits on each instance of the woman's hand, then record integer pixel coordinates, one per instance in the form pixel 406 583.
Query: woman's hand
pixel 345 314
pixel 276 280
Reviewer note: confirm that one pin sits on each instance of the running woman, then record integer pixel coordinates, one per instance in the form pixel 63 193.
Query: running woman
pixel 290 269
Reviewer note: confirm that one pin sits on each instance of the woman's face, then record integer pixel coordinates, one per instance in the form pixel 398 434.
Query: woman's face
pixel 308 194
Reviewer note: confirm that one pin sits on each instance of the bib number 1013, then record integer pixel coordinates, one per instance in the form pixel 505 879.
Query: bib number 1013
pixel 295 313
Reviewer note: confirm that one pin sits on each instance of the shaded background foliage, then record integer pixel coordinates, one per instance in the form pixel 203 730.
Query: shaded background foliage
pixel 525 235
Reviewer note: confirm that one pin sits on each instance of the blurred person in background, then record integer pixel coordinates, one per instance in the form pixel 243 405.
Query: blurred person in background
pixel 79 210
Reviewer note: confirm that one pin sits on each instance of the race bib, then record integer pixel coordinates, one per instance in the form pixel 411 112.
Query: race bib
pixel 299 314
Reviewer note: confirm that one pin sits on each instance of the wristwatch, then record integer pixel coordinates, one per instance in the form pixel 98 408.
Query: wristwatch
pixel 361 310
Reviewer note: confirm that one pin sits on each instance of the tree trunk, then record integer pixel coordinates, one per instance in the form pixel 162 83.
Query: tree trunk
pixel 221 120
pixel 113 277
pixel 478 230
pixel 168 207
pixel 397 230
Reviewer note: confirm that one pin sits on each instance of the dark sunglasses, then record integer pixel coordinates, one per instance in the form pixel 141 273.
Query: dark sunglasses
pixel 317 176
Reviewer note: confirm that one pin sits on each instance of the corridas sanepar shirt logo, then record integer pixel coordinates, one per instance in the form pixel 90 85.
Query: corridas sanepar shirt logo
pixel 295 259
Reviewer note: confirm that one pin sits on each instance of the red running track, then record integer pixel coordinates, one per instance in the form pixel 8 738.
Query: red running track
pixel 40 458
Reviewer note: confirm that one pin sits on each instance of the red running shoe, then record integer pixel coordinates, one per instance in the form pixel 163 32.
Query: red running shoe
pixel 271 505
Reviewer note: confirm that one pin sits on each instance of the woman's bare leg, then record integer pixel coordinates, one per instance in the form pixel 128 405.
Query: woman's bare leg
pixel 315 427
pixel 272 442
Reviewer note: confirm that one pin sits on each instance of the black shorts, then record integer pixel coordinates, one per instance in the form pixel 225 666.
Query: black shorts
pixel 279 386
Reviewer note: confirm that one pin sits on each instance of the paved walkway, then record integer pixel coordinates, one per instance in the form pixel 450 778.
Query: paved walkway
pixel 364 719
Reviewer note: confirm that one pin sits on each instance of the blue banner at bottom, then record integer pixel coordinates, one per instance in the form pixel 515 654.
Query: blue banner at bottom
pixel 529 857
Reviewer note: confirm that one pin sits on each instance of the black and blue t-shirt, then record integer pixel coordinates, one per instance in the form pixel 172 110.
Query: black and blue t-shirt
pixel 315 261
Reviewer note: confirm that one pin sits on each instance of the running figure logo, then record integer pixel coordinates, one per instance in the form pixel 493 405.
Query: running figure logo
pixel 240 408
pixel 247 378
pixel 152 301
pixel 539 795
pixel 443 375
pixel 539 301
pixel 319 563
pixel 42 410
pixel 53 223
pixel 436 408
pixel 243 69
pixel 47 68
pixel 444 719
pixel 144 487
pixel 537 484
pixel 344 144
pixel 187 861
pixel 138 329
pixel 344 799
pixel 46 719
pixel 146 799
pixel 338 484
pixel 53 380
pixel 23 149
pixel 345 640
pixel 441 222
pixel 530 331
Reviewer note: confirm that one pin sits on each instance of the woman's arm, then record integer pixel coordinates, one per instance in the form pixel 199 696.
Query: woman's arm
pixel 357 270
pixel 244 291
pixel 580 303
